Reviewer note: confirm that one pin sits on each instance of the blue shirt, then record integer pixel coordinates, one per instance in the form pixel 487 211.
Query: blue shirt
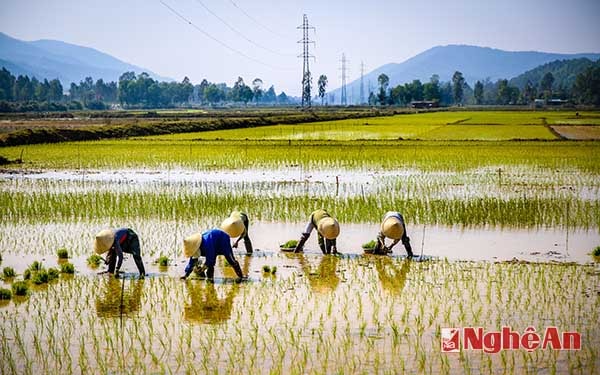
pixel 214 242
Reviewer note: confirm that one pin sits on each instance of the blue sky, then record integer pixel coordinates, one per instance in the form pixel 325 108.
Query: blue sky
pixel 148 34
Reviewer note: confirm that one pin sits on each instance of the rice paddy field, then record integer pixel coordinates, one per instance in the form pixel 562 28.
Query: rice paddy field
pixel 502 208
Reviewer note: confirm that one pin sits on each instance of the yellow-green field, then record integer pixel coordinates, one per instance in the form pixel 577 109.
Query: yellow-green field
pixel 503 208
pixel 431 126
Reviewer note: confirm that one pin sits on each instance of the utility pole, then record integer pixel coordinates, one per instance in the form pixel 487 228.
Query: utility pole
pixel 306 77
pixel 344 100
pixel 362 85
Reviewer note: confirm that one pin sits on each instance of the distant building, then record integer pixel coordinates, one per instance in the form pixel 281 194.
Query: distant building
pixel 424 104
pixel 541 103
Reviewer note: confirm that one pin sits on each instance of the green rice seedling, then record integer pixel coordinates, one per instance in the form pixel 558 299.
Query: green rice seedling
pixel 94 260
pixel 62 253
pixel 596 252
pixel 36 266
pixel 163 261
pixel 369 245
pixel 53 274
pixel 27 274
pixel 273 270
pixel 289 244
pixel 20 288
pixel 8 272
pixel 40 277
pixel 67 268
pixel 266 269
pixel 5 294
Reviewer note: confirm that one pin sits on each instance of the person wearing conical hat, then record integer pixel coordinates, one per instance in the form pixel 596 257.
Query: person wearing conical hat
pixel 209 244
pixel 392 227
pixel 236 225
pixel 116 242
pixel 328 230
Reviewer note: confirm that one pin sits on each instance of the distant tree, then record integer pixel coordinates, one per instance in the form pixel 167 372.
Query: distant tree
pixel 415 90
pixel 257 90
pixel 185 91
pixel 529 93
pixel 246 94
pixel 270 95
pixel 282 98
pixel 546 84
pixel 372 98
pixel 322 83
pixel 127 85
pixel 213 94
pixel 587 85
pixel 7 83
pixel 503 95
pixel 478 92
pixel 458 83
pixel 398 95
pixel 446 94
pixel 431 90
pixel 201 95
pixel 383 81
pixel 55 92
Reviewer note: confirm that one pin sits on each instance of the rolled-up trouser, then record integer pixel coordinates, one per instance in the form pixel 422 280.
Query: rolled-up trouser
pixel 326 244
pixel 247 242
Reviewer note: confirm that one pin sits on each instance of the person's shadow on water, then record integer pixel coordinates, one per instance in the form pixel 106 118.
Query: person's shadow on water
pixel 325 278
pixel 205 305
pixel 109 303
pixel 392 275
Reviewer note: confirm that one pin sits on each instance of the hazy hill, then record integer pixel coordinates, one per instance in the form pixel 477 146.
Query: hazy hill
pixel 564 72
pixel 476 63
pixel 67 62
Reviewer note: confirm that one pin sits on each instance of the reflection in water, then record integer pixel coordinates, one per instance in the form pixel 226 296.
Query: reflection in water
pixel 228 271
pixel 205 305
pixel 108 304
pixel 391 275
pixel 325 278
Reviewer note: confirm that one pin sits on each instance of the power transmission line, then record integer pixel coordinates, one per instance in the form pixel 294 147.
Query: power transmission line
pixel 306 78
pixel 256 21
pixel 217 40
pixel 344 99
pixel 239 33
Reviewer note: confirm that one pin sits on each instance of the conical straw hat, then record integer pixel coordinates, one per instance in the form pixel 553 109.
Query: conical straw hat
pixel 191 245
pixel 328 227
pixel 104 241
pixel 392 228
pixel 233 226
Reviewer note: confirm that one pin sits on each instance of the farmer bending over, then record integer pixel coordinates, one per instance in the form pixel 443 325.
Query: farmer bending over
pixel 236 225
pixel 209 244
pixel 328 230
pixel 117 242
pixel 392 227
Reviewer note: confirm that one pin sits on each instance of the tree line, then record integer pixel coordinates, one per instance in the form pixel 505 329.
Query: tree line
pixel 585 90
pixel 132 91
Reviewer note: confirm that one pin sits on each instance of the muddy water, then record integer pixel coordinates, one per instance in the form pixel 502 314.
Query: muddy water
pixel 516 182
pixel 21 244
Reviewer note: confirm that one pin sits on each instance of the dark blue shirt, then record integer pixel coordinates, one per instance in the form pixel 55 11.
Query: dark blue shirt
pixel 121 236
pixel 214 242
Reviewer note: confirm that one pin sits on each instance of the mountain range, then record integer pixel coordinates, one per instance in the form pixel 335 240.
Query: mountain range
pixel 476 63
pixel 67 62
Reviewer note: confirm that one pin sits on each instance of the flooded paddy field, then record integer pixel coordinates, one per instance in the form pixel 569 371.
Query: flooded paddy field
pixel 317 314
pixel 502 230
